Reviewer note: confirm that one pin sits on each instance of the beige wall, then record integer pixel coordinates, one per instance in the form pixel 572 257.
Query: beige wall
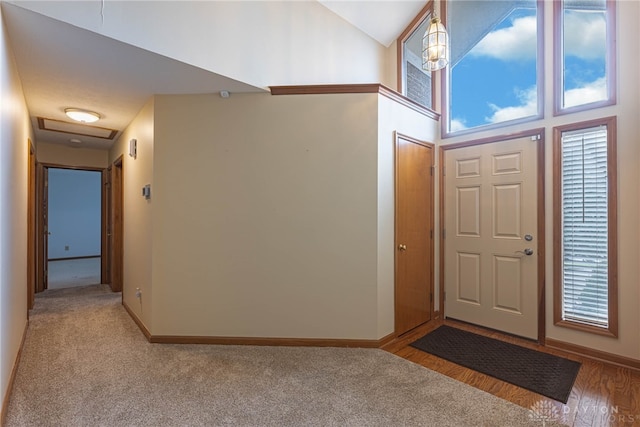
pixel 15 130
pixel 264 218
pixel 137 219
pixel 627 110
pixel 271 216
pixel 63 155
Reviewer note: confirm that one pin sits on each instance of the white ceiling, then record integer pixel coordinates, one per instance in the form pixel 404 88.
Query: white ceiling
pixel 383 20
pixel 63 66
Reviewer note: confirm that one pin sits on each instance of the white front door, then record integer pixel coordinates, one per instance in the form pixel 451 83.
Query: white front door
pixel 491 249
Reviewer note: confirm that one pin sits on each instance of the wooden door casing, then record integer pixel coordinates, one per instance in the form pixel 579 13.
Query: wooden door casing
pixel 106 227
pixel 42 197
pixel 41 220
pixel 32 227
pixel 116 226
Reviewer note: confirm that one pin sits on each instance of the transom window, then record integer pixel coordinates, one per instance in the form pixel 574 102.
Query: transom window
pixel 584 54
pixel 494 73
pixel 415 83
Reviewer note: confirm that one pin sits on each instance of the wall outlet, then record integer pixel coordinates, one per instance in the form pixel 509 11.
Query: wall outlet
pixel 66 247
pixel 138 293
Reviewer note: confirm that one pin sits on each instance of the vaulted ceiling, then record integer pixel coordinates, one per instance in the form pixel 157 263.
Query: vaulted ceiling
pixel 65 66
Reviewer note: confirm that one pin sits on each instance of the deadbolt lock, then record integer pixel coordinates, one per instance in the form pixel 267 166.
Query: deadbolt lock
pixel 402 247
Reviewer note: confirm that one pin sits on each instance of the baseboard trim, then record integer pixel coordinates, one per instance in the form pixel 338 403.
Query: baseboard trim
pixel 283 342
pixel 590 353
pixel 12 377
pixel 287 342
pixel 138 322
pixel 71 258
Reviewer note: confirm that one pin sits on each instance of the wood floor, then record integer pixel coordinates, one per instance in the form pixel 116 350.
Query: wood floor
pixel 603 394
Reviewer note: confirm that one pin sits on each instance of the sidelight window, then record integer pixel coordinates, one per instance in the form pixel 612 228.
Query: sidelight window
pixel 585 226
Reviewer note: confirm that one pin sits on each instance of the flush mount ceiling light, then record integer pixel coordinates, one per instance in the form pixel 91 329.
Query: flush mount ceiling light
pixel 435 46
pixel 83 116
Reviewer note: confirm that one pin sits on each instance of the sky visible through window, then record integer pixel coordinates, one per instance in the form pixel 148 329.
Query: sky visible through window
pixel 585 52
pixel 495 80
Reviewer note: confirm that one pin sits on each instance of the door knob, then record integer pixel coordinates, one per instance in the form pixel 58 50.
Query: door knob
pixel 527 252
pixel 402 247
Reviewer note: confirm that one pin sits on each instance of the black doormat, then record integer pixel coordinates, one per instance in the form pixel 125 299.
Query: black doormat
pixel 542 373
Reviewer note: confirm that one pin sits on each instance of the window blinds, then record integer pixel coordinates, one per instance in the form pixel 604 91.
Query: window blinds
pixel 585 226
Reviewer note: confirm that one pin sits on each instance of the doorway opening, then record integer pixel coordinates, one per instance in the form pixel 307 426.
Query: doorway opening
pixel 71 226
pixel 74 221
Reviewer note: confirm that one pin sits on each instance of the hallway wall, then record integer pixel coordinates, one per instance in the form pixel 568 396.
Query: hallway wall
pixel 137 219
pixel 71 156
pixel 15 131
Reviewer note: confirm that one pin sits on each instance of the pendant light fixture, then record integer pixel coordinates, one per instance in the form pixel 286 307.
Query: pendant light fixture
pixel 435 46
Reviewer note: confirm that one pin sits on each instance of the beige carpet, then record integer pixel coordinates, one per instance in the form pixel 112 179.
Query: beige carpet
pixel 85 363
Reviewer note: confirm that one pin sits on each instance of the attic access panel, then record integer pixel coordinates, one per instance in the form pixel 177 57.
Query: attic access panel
pixel 76 128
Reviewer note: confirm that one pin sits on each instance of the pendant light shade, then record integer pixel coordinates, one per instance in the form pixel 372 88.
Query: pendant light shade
pixel 435 46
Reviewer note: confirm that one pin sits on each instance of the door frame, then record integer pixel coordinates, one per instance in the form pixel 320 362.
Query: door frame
pixel 431 146
pixel 105 245
pixel 41 228
pixel 537 133
pixel 31 225
pixel 41 255
pixel 114 218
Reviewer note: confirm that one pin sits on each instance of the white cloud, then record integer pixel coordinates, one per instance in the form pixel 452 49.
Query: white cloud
pixel 457 124
pixel 585 35
pixel 589 92
pixel 528 107
pixel 517 42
